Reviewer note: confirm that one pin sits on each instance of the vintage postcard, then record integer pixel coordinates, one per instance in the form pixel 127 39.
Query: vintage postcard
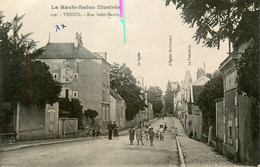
pixel 129 83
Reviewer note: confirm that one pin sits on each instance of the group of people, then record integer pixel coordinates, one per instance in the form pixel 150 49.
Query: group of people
pixel 148 134
pixel 112 129
pixel 139 135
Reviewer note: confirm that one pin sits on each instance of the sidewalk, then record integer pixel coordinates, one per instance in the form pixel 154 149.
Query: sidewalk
pixel 198 154
pixel 25 144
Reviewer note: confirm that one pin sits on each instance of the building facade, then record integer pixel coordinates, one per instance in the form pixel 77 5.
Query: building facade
pixel 83 75
pixel 239 140
pixel 117 109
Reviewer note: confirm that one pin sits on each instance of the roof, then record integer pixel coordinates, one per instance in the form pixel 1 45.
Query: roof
pixel 201 81
pixel 115 95
pixel 66 51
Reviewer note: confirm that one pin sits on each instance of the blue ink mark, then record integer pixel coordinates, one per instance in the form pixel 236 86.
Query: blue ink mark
pixel 63 26
pixel 57 27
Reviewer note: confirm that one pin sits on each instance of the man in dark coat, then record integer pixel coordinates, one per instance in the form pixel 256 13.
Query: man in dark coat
pixel 110 129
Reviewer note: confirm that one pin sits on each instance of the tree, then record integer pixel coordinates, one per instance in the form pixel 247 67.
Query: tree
pixel 235 20
pixel 248 72
pixel 74 108
pixel 213 89
pixel 16 57
pixel 217 20
pixel 122 80
pixel 90 113
pixel 168 98
pixel 155 97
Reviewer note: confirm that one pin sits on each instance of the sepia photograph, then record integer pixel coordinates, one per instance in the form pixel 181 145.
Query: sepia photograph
pixel 129 83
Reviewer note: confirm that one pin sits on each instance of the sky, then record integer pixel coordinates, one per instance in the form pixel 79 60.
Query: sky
pixel 148 26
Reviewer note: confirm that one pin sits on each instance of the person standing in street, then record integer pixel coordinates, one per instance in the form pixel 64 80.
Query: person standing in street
pixel 165 126
pixel 139 135
pixel 110 130
pixel 131 135
pixel 114 127
pixel 151 136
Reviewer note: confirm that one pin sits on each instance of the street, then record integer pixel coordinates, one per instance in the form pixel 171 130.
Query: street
pixel 99 152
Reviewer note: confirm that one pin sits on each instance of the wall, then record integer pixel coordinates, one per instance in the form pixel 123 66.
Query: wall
pixel 230 109
pixel 67 127
pixel 196 122
pixel 112 116
pixel 220 126
pixel 31 123
pixel 51 120
pixel 248 143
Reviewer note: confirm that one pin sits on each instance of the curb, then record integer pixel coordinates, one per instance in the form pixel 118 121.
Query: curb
pixel 181 157
pixel 46 143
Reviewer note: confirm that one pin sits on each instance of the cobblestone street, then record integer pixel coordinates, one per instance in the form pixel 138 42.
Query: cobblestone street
pixel 197 154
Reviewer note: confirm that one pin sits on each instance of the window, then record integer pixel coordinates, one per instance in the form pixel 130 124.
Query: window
pixel 104 114
pixel 107 114
pixel 76 76
pixel 75 94
pixel 104 95
pixel 55 76
pixel 67 93
pixel 230 132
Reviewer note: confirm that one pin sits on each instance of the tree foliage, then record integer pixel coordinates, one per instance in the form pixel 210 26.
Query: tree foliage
pixel 122 80
pixel 237 20
pixel 217 20
pixel 155 97
pixel 213 89
pixel 74 108
pixel 168 98
pixel 90 113
pixel 15 69
pixel 248 72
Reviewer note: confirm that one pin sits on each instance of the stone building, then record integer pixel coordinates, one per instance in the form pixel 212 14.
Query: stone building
pixel 83 75
pixel 117 109
pixel 235 134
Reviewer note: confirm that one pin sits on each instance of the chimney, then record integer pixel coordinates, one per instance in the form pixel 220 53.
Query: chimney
pixel 76 44
pixel 80 39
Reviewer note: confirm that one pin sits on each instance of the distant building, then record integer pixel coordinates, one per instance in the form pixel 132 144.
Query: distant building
pixel 185 95
pixel 176 99
pixel 83 75
pixel 117 109
pixel 200 73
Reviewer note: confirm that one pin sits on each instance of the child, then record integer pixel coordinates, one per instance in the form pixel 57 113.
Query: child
pixel 176 131
pixel 151 136
pixel 161 131
pixel 116 135
pixel 139 135
pixel 131 135
pixel 146 132
pixel 173 132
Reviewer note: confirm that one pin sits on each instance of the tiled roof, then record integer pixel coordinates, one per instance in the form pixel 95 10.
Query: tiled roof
pixel 115 95
pixel 66 51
